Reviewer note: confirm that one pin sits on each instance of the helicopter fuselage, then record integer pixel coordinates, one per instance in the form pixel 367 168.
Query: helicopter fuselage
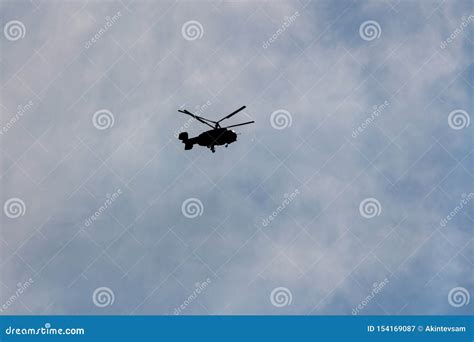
pixel 220 136
pixel 211 138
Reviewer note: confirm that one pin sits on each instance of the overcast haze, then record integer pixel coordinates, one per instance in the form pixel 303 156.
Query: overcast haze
pixel 89 100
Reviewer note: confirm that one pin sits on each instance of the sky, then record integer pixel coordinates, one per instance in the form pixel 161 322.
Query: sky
pixel 352 193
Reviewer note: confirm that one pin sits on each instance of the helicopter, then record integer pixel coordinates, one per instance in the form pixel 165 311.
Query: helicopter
pixel 216 136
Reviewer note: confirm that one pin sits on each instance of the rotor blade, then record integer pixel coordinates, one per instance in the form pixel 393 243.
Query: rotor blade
pixel 245 123
pixel 233 113
pixel 194 115
pixel 198 118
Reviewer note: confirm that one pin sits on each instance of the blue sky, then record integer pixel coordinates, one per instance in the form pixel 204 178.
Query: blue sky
pixel 135 64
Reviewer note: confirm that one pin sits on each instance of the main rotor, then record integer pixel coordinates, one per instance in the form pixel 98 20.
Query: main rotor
pixel 216 124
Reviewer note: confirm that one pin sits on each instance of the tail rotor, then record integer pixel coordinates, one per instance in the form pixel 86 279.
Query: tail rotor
pixel 184 138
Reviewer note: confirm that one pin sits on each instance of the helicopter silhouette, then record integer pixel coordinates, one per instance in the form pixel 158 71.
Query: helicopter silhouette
pixel 216 136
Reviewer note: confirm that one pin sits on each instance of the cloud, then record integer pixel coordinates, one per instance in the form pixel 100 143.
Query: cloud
pixel 141 69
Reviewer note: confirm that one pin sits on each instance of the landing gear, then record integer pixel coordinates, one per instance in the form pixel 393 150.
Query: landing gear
pixel 226 145
pixel 213 149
